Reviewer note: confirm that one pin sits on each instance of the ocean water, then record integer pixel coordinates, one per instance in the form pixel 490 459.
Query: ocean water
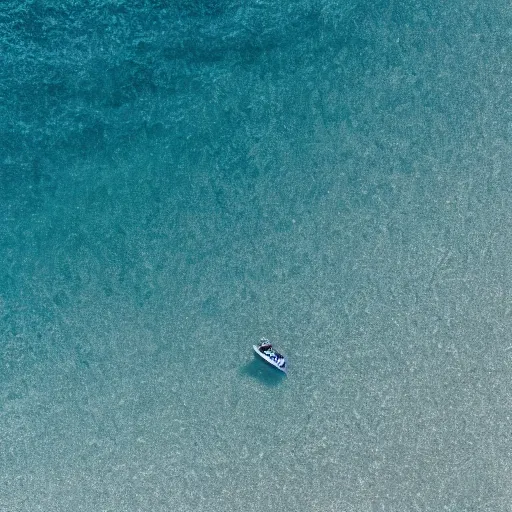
pixel 180 179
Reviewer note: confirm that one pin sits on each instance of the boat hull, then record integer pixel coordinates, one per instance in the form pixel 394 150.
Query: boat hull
pixel 270 361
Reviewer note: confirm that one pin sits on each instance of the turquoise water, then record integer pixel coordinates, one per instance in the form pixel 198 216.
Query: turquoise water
pixel 179 180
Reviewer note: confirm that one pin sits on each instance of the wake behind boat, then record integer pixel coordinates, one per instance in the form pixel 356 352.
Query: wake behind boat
pixel 271 356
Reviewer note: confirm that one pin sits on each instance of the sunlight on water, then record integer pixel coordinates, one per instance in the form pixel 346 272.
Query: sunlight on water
pixel 177 182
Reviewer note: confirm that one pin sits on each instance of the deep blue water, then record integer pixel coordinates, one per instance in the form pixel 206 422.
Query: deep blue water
pixel 179 180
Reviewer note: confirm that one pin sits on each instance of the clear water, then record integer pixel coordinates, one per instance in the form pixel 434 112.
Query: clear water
pixel 180 179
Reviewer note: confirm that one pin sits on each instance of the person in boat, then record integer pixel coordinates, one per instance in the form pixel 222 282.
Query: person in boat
pixel 265 345
pixel 277 358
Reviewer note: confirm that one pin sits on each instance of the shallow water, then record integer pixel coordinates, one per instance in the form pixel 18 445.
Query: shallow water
pixel 178 182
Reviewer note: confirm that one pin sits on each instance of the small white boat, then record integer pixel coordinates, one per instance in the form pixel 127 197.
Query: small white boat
pixel 271 356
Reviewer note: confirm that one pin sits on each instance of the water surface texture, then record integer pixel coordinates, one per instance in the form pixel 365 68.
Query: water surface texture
pixel 180 179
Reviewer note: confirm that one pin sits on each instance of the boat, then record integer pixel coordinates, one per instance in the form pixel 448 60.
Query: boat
pixel 271 356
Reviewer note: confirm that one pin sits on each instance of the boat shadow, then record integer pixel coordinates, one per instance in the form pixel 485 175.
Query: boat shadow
pixel 262 372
